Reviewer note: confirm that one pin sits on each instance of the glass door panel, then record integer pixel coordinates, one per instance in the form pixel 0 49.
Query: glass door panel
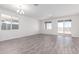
pixel 67 27
pixel 60 27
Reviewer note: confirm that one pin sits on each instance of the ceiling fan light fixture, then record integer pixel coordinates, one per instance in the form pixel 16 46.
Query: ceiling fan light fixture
pixel 20 11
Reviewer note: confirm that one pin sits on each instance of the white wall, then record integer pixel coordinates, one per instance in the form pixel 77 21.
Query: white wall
pixel 54 27
pixel 27 26
pixel 74 28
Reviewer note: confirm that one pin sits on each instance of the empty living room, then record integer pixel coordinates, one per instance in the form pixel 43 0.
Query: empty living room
pixel 39 28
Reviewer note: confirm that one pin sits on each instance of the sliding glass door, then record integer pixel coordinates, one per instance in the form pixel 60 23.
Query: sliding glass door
pixel 64 26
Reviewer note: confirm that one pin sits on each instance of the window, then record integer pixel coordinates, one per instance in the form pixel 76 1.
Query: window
pixel 6 25
pixel 15 24
pixel 9 22
pixel 48 25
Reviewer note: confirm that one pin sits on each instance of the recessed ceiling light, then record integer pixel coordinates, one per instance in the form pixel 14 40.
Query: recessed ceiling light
pixel 35 4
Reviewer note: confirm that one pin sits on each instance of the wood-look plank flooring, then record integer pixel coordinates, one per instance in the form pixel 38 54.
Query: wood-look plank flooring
pixel 41 44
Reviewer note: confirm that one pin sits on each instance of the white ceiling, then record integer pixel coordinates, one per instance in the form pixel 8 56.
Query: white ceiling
pixel 44 10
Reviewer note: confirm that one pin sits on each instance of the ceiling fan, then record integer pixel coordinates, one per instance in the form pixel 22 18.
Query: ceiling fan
pixel 21 11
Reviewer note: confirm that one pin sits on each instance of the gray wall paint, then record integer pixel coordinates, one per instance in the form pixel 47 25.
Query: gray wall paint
pixel 30 26
pixel 74 28
pixel 54 27
pixel 27 26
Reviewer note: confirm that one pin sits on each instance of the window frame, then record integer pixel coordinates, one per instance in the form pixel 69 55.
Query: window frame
pixel 9 23
pixel 46 25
